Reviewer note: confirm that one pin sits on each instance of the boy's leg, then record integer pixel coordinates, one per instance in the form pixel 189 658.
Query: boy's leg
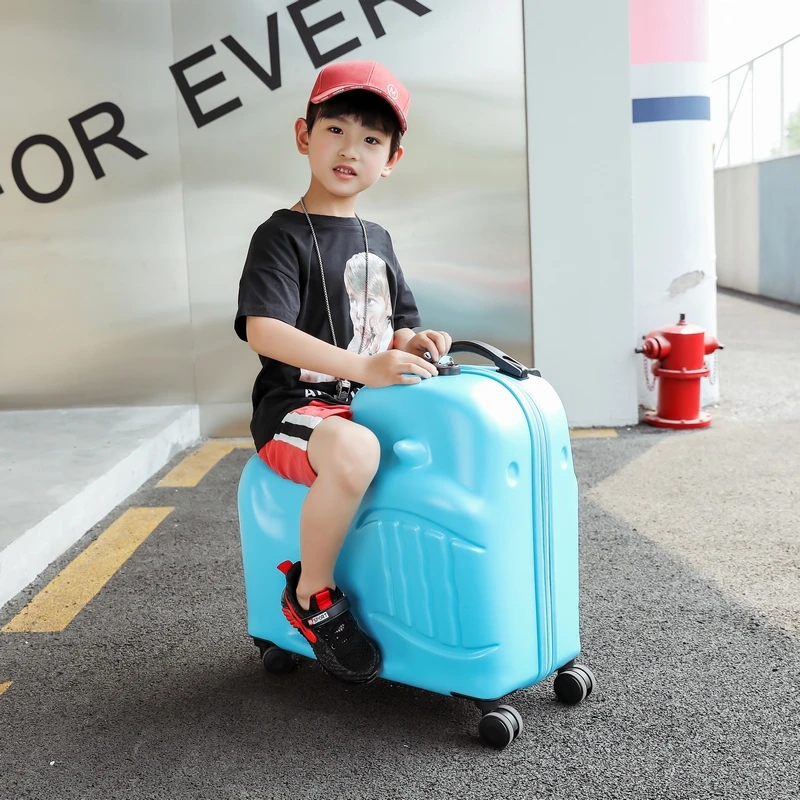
pixel 345 457
pixel 339 462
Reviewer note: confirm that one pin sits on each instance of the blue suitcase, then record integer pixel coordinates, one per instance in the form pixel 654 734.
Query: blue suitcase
pixel 463 559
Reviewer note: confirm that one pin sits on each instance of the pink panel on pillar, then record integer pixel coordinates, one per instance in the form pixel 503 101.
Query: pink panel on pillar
pixel 665 31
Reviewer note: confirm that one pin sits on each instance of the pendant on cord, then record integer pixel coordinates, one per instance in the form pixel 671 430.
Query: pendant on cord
pixel 342 390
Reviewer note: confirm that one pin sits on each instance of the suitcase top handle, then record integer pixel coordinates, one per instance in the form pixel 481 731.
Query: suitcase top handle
pixel 503 362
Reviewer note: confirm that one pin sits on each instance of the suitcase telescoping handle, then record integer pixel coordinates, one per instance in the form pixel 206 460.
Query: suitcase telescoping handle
pixel 503 361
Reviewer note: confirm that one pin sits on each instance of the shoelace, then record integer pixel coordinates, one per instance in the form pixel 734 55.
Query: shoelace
pixel 335 638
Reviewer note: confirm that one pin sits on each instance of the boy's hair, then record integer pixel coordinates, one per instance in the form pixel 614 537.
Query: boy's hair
pixel 366 107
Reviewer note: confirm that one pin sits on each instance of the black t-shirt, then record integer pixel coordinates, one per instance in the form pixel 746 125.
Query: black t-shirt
pixel 281 279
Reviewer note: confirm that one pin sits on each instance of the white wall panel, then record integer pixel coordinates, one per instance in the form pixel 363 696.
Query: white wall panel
pixel 579 149
pixel 736 192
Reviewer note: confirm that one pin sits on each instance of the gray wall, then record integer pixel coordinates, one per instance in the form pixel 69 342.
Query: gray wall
pixel 758 228
pixel 122 290
pixel 779 217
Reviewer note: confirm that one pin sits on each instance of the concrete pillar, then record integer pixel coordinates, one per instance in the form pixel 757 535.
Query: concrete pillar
pixel 673 180
pixel 577 64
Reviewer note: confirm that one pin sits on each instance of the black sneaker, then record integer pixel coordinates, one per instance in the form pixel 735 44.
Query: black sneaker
pixel 341 647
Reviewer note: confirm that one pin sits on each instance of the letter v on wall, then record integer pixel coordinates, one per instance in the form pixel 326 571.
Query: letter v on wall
pixel 272 79
pixel 368 7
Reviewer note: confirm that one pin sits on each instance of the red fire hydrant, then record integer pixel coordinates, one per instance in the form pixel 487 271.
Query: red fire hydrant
pixel 680 351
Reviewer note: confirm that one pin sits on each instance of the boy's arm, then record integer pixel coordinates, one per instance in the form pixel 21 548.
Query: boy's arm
pixel 437 343
pixel 402 337
pixel 406 314
pixel 275 339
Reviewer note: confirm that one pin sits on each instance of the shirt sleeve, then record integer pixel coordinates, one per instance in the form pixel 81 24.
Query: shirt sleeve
pixel 406 313
pixel 270 282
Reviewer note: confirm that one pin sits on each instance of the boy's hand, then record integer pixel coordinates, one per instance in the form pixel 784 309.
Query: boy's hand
pixel 394 366
pixel 437 343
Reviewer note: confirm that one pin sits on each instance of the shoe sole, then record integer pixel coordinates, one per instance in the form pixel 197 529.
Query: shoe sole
pixel 360 682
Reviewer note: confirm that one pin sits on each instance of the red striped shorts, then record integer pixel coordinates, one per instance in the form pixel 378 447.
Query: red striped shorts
pixel 286 453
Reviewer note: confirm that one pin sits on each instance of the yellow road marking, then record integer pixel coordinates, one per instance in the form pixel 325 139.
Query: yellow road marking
pixel 198 464
pixel 4 686
pixel 592 433
pixel 240 444
pixel 70 591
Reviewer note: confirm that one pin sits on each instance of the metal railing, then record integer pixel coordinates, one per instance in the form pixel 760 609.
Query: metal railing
pixel 755 108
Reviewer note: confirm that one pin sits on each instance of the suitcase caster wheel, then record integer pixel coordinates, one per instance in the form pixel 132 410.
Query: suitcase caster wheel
pixel 574 684
pixel 518 724
pixel 275 660
pixel 500 727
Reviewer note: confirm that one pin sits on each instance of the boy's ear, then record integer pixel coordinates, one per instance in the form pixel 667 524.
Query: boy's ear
pixel 301 136
pixel 392 163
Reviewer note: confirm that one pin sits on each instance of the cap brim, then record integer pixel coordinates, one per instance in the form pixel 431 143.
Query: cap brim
pixel 321 97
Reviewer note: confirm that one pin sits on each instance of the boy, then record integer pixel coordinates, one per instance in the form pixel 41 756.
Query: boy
pixel 324 303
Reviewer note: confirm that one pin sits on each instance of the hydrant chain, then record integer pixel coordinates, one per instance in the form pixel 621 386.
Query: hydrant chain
pixel 712 378
pixel 649 377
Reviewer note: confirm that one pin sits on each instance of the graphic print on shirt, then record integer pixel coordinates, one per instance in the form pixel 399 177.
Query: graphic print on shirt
pixel 378 330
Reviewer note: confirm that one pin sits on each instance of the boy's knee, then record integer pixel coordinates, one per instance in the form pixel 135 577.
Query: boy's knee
pixel 350 455
pixel 357 458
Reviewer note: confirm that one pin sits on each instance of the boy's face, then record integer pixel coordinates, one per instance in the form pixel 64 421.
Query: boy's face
pixel 346 157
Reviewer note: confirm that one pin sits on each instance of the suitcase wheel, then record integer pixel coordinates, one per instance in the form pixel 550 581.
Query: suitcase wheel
pixel 500 727
pixel 275 660
pixel 573 684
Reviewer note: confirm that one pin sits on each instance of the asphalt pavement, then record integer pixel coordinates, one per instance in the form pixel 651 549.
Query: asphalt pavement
pixel 154 690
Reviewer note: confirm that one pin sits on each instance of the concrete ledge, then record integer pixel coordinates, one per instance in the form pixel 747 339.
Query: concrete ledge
pixel 70 468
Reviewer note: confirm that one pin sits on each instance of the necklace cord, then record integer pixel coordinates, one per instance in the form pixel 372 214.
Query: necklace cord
pixel 324 285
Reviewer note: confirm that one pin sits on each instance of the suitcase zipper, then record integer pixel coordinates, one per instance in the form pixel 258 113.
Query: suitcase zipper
pixel 547 643
pixel 546 522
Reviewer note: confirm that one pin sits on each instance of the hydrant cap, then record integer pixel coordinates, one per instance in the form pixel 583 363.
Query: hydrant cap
pixel 682 328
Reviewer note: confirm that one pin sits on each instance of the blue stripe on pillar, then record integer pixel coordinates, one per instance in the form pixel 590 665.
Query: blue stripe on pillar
pixel 662 109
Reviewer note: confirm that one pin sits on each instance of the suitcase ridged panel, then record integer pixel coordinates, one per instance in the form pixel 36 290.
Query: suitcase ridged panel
pixel 418 593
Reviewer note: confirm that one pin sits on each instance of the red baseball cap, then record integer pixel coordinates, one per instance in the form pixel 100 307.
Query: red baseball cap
pixel 344 76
